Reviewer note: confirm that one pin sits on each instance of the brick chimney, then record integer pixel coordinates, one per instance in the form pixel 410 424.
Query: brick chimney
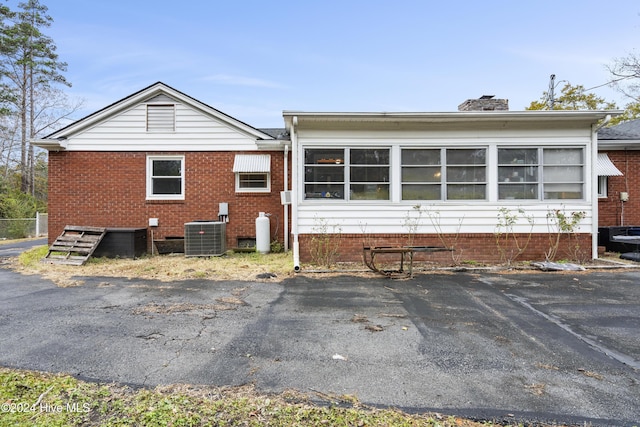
pixel 484 103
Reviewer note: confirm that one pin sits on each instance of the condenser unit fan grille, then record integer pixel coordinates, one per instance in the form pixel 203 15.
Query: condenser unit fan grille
pixel 205 238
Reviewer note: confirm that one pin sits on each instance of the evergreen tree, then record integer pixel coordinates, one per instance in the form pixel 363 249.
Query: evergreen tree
pixel 29 66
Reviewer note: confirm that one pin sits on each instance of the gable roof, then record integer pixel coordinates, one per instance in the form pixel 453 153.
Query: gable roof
pixel 143 95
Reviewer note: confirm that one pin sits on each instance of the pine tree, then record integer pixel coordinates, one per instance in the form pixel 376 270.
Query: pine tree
pixel 29 65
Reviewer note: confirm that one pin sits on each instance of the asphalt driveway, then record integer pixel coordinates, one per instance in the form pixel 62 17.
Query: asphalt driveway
pixel 537 347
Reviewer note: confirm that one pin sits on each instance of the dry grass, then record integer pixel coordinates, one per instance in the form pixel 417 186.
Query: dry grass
pixel 233 266
pixel 165 268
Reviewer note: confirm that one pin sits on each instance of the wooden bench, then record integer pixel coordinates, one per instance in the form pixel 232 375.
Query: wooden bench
pixel 369 254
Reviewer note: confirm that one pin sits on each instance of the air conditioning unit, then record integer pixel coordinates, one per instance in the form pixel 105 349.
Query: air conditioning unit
pixel 205 238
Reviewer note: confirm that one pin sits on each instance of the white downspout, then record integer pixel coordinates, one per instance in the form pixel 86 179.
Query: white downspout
pixel 294 193
pixel 594 185
pixel 286 206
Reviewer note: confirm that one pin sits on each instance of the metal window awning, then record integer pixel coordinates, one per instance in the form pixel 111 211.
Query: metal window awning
pixel 252 163
pixel 605 167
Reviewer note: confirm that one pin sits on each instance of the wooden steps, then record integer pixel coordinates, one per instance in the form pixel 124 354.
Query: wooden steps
pixel 75 245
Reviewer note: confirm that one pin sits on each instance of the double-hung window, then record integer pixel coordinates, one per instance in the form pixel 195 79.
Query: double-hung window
pixel 165 177
pixel 540 173
pixel 346 173
pixel 444 174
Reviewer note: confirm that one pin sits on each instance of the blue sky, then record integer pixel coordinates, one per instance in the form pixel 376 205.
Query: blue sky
pixel 252 59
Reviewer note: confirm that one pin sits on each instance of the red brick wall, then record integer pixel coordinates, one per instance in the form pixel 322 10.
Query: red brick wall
pixel 468 247
pixel 610 209
pixel 108 189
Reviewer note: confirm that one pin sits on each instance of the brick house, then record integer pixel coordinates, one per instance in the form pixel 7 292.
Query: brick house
pixel 160 154
pixel 618 189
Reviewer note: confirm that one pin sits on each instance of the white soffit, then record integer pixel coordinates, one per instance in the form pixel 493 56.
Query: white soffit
pixel 249 163
pixel 605 166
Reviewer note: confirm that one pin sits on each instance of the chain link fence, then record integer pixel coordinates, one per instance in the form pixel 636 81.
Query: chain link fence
pixel 18 228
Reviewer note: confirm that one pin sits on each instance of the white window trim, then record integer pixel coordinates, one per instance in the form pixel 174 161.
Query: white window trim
pixel 266 189
pixel 150 195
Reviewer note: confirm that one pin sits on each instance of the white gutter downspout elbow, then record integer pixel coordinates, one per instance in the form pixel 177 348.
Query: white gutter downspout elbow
pixel 294 194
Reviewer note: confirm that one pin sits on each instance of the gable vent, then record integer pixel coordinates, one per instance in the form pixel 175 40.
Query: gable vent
pixel 161 117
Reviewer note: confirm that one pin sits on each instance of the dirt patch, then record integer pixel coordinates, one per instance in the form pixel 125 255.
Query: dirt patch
pixel 154 308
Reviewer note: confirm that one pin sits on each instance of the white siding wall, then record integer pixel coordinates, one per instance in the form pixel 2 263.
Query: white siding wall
pixel 195 131
pixel 450 216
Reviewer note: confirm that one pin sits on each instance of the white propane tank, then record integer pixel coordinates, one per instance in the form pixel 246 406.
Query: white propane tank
pixel 263 234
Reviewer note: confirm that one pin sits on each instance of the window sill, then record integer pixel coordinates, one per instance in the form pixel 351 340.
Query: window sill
pixel 253 193
pixel 164 202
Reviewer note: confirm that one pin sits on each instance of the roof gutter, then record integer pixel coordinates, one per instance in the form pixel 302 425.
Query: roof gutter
pixel 50 144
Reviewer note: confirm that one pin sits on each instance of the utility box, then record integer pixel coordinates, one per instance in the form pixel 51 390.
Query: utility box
pixel 123 243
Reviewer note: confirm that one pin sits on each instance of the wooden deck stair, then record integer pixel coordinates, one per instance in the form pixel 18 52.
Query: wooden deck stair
pixel 75 245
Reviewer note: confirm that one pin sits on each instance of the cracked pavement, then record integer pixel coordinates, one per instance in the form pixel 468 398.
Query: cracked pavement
pixel 532 347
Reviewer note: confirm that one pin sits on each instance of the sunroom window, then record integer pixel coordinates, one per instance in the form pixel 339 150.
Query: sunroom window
pixel 346 173
pixel 518 173
pixel 466 174
pixel 563 173
pixel 369 174
pixel 460 172
pixel 421 174
pixel 540 173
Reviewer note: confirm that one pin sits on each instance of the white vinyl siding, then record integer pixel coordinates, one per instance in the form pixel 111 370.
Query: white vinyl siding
pixel 450 218
pixel 197 131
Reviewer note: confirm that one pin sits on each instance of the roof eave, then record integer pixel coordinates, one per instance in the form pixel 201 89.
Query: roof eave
pixel 50 144
pixel 589 116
